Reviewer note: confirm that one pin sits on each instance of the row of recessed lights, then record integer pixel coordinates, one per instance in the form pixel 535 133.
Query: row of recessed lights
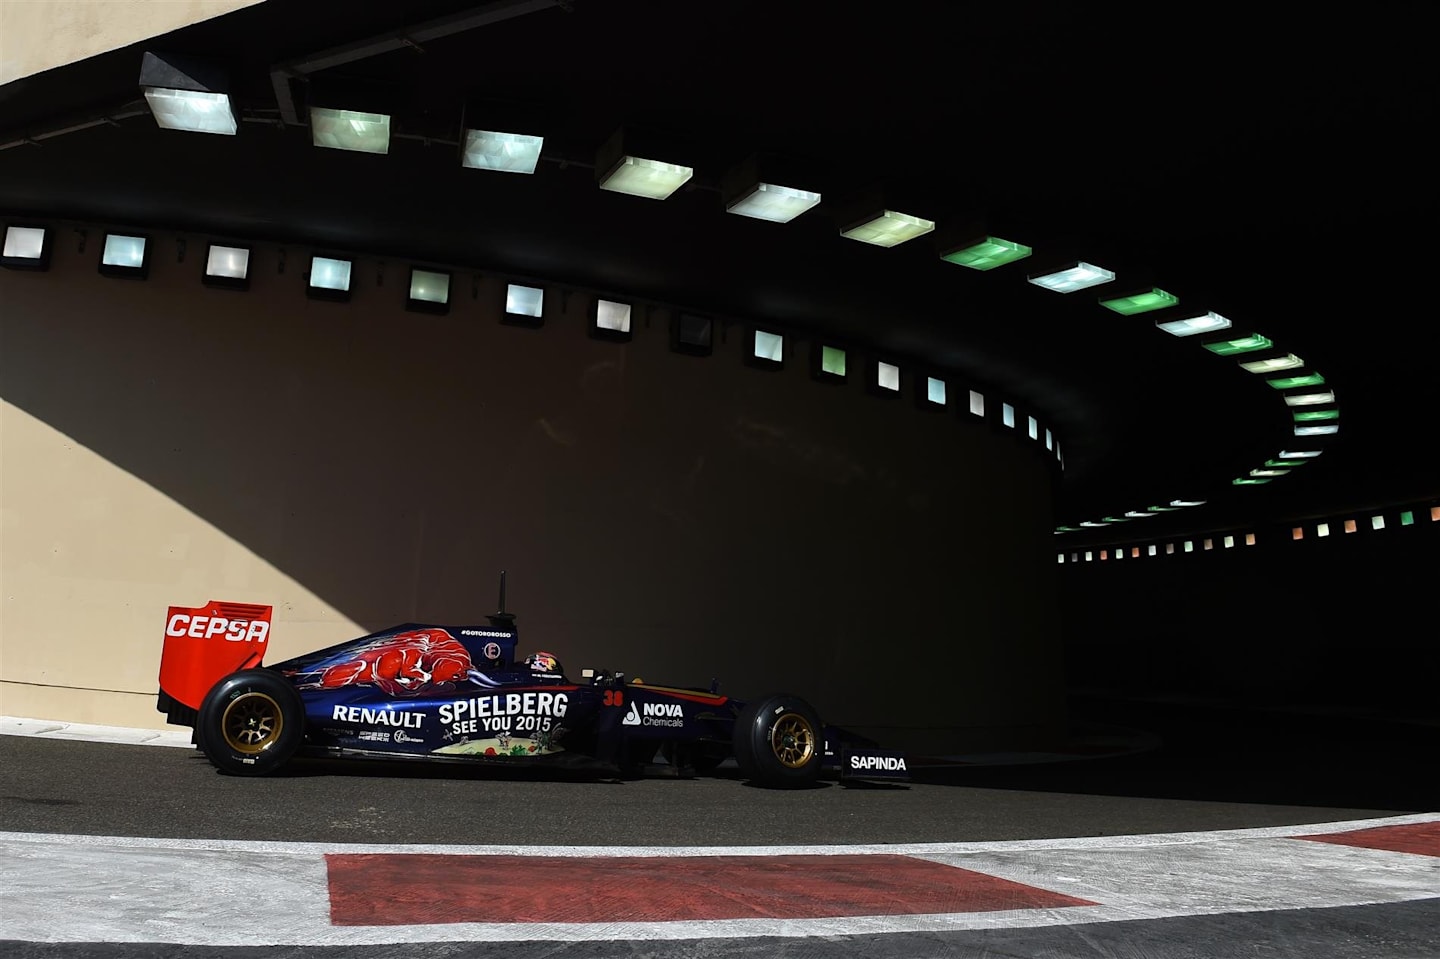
pixel 1313 410
pixel 628 164
pixel 329 278
pixel 1229 540
pixel 197 102
pixel 191 97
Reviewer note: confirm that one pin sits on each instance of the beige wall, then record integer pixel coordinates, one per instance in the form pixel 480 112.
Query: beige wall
pixel 358 465
pixel 37 35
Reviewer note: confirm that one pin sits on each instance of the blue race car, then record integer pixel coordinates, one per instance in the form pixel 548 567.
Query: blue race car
pixel 459 693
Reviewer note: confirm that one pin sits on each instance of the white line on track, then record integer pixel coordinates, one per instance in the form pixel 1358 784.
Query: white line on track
pixel 894 849
pixel 223 893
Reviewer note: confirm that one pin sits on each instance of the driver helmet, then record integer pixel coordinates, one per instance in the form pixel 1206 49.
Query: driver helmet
pixel 541 662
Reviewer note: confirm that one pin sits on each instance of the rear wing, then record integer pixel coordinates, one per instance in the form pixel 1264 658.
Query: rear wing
pixel 204 644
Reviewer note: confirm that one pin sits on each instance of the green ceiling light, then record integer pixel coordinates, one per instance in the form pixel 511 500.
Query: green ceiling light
pixel 832 360
pixel 1274 364
pixel 1144 302
pixel 1286 464
pixel 1116 519
pixel 1249 481
pixel 1244 344
pixel 988 253
pixel 1067 529
pixel 1312 416
pixel 1162 509
pixel 1407 517
pixel 1295 382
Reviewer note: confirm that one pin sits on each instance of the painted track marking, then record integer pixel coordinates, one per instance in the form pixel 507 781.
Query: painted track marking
pixel 372 890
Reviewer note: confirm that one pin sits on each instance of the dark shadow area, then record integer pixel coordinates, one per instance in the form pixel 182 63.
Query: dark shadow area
pixel 1228 754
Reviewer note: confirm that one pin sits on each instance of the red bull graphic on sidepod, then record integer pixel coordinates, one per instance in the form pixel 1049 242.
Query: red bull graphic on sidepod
pixel 405 664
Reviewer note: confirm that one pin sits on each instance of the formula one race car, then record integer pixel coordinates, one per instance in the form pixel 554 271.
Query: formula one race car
pixel 458 693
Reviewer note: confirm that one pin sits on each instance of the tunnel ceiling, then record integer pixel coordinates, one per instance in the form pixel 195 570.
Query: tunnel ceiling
pixel 1272 172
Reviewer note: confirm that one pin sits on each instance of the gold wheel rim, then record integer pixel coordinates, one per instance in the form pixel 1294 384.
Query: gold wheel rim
pixel 792 739
pixel 252 722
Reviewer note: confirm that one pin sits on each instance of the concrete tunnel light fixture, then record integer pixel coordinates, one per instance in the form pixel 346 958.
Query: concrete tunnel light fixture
pixel 185 94
pixel 329 278
pixel 753 189
pixel 429 291
pixel 986 253
pixel 350 115
pixel 1144 301
pixel 227 267
pixel 125 255
pixel 887 228
pixel 1072 278
pixel 25 247
pixel 1208 323
pixel 639 165
pixel 500 152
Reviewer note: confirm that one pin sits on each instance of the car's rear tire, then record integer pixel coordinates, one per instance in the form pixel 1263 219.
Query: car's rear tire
pixel 779 742
pixel 251 723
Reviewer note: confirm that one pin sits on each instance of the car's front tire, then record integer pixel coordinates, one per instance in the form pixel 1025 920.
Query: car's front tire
pixel 779 742
pixel 251 723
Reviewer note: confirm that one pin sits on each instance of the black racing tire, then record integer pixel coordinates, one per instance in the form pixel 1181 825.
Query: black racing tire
pixel 779 742
pixel 251 723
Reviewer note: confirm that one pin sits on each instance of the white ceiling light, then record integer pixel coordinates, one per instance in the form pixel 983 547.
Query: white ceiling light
pixel 192 111
pixel 429 291
pixel 1309 399
pixel 640 164
pixel 501 152
pixel 327 273
pixel 125 256
pixel 652 179
pixel 1208 323
pixel 524 300
pixel 769 346
pixel 350 130
pixel 1287 362
pixel 227 266
pixel 23 245
pixel 888 228
pixel 231 262
pixel 887 376
pixel 187 95
pixel 769 201
pixel 613 316
pixel 1079 276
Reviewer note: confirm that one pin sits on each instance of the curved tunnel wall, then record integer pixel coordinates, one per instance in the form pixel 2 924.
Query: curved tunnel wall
pixel 358 465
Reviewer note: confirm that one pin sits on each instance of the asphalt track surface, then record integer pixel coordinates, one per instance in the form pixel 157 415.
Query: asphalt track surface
pixel 1214 771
